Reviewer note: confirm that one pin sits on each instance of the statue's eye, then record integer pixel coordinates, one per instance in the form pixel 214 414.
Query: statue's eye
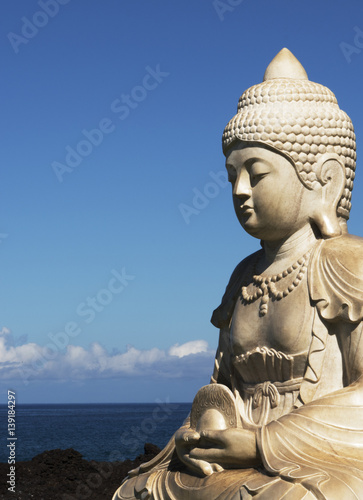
pixel 258 170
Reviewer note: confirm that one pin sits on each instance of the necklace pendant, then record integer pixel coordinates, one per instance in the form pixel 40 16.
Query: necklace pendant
pixel 264 303
pixel 263 309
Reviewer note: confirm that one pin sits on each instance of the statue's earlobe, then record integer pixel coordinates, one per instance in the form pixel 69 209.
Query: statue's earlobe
pixel 327 193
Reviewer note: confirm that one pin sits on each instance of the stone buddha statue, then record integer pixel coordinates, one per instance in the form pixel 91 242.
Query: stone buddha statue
pixel 283 415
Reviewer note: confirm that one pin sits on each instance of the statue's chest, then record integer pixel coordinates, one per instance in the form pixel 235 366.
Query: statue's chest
pixel 285 326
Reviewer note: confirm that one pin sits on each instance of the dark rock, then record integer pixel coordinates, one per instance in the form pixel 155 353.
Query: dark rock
pixel 151 449
pixel 65 475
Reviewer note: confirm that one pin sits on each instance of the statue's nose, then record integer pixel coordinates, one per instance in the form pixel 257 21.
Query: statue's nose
pixel 242 186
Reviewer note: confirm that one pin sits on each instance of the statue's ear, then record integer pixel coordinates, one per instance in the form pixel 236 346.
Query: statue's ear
pixel 326 194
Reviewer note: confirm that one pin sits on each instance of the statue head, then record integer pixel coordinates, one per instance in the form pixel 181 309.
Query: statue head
pixel 302 122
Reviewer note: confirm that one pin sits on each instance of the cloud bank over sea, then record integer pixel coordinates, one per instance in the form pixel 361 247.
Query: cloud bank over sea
pixel 30 361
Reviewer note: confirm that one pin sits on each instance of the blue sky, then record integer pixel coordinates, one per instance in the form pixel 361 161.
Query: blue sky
pixel 106 289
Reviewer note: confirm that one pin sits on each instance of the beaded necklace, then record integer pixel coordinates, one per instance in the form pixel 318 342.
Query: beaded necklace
pixel 266 288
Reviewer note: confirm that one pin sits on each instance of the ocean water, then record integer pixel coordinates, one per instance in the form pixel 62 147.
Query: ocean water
pixel 103 432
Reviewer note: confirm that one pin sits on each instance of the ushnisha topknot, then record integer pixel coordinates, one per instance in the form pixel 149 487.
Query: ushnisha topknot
pixel 298 117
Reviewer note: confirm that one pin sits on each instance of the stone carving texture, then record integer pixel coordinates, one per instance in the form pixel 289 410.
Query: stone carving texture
pixel 282 418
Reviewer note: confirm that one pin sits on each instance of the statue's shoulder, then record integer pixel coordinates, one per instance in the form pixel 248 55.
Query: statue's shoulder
pixel 336 278
pixel 222 315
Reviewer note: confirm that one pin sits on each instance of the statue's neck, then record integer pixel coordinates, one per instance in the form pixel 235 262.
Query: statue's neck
pixel 291 248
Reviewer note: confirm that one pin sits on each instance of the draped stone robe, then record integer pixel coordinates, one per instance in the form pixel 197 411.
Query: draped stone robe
pixel 315 449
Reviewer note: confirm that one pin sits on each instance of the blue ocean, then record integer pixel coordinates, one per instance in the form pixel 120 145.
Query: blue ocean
pixel 102 432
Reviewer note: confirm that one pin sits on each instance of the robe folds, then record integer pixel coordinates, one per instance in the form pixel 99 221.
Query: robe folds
pixel 316 450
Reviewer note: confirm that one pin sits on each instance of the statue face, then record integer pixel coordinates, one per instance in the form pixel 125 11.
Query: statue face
pixel 270 201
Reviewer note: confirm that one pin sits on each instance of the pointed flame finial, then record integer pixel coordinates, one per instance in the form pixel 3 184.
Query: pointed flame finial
pixel 285 65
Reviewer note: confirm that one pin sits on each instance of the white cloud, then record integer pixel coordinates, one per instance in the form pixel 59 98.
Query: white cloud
pixel 192 347
pixel 31 361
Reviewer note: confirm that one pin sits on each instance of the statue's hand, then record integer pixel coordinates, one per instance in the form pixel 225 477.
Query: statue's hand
pixel 229 448
pixel 185 441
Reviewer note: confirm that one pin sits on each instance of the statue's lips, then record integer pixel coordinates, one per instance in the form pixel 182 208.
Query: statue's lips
pixel 245 210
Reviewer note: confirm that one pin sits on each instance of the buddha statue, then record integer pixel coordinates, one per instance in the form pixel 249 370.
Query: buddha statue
pixel 283 415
